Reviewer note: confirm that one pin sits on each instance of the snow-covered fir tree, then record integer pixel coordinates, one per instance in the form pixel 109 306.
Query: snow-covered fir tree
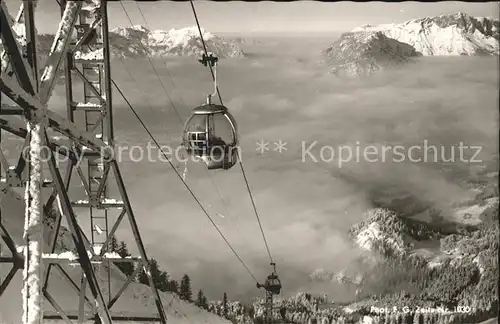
pixel 185 291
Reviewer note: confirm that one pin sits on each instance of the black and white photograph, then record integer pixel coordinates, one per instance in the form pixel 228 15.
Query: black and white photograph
pixel 249 162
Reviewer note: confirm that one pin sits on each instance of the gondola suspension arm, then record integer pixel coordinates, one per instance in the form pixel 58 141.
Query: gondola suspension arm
pixel 210 60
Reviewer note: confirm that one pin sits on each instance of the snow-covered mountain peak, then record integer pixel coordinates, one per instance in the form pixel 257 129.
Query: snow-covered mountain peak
pixel 177 36
pixel 174 42
pixel 444 35
pixel 127 31
pixel 140 28
pixel 363 53
pixel 189 32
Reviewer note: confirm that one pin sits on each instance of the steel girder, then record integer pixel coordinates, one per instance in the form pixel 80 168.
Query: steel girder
pixel 91 143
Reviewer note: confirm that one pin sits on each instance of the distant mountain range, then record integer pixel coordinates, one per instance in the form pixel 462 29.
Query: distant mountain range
pixel 368 48
pixel 138 41
pixel 362 51
pixel 446 35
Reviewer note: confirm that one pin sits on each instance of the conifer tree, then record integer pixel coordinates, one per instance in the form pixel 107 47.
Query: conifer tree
pixel 126 267
pixel 173 286
pixel 163 282
pixel 142 277
pixel 426 318
pixel 160 278
pixel 251 311
pixel 283 312
pixel 185 289
pixel 407 318
pixel 201 299
pixel 154 269
pixel 205 302
pixel 122 250
pixel 440 318
pixel 417 318
pixel 224 306
pixel 113 244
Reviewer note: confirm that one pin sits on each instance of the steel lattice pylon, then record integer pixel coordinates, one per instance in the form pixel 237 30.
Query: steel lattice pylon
pixel 88 59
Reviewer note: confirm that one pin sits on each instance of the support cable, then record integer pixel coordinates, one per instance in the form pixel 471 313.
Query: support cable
pixel 184 182
pixel 153 67
pixel 175 170
pixel 166 92
pixel 239 159
pixel 205 48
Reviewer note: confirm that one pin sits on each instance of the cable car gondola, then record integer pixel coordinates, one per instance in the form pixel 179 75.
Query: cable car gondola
pixel 211 133
pixel 272 283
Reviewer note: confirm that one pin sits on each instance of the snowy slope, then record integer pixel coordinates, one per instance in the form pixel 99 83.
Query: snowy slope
pixel 385 232
pixel 445 35
pixel 382 232
pixel 135 301
pixel 363 53
pixel 472 215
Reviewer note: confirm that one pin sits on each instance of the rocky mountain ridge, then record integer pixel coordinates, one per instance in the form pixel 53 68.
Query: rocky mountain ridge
pixel 444 35
pixel 368 49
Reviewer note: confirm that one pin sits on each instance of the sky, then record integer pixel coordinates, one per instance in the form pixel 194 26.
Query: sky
pixel 268 17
